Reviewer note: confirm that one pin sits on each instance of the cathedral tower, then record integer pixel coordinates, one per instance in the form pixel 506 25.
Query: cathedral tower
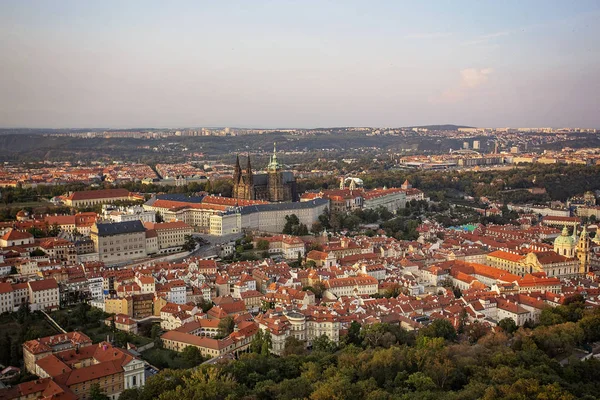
pixel 249 181
pixel 276 187
pixel 237 176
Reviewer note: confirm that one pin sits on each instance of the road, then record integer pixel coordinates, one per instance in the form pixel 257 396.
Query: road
pixel 214 243
pixel 207 250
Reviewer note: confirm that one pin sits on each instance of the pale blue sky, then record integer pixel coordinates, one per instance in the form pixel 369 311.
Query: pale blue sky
pixel 299 63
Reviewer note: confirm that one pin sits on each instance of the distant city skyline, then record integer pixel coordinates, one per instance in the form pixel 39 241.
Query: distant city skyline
pixel 310 64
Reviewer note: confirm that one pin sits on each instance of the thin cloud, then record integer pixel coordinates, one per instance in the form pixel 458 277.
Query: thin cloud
pixel 470 80
pixel 473 77
pixel 431 35
pixel 487 38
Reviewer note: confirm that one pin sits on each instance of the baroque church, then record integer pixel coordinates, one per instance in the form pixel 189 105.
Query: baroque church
pixel 571 247
pixel 275 185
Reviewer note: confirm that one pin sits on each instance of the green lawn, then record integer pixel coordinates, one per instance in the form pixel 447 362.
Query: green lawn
pixel 163 358
pixel 32 204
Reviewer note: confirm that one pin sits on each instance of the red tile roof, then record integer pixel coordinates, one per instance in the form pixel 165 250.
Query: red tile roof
pixel 98 194
pixel 45 284
pixel 13 234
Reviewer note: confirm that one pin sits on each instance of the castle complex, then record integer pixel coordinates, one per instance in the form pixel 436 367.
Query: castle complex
pixel 275 186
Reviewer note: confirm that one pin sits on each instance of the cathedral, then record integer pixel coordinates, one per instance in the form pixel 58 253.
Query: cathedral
pixel 571 247
pixel 275 185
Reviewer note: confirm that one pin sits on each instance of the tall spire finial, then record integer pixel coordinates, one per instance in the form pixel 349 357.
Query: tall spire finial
pixel 273 164
pixel 237 172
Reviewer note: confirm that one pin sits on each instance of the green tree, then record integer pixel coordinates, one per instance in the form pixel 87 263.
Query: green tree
pixel 439 328
pixel 291 224
pixel 54 230
pixel 267 343
pixel 353 335
pixel 205 305
pixel 373 334
pixel 508 325
pixel 130 394
pixel 192 355
pixel 257 341
pixel 23 313
pixel 96 392
pixel 205 383
pixel 16 353
pixel 189 243
pixel 37 253
pixel 262 245
pixel 5 349
pixel 316 228
pixel 293 346
pixel 226 326
pixel 323 343
pixel 420 382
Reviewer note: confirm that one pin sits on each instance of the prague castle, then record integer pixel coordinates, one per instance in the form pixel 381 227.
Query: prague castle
pixel 275 185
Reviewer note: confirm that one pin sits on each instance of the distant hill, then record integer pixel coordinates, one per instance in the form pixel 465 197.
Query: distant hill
pixel 447 127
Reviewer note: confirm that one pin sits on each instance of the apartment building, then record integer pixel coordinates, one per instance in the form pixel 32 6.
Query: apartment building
pixel 6 297
pixel 119 241
pixel 44 295
pixel 171 235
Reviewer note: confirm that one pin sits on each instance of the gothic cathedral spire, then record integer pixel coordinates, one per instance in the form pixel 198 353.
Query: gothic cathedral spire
pixel 237 172
pixel 249 176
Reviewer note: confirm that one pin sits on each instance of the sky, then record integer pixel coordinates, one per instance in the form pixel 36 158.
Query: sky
pixel 299 64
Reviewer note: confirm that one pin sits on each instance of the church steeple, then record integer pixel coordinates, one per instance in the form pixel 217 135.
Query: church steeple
pixel 249 176
pixel 583 251
pixel 273 164
pixel 237 171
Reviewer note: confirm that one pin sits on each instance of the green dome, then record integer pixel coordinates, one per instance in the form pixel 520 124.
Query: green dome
pixel 564 240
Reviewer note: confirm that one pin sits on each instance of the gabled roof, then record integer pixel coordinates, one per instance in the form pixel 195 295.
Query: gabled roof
pixel 13 234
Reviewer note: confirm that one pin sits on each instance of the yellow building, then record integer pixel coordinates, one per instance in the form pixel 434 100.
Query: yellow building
pixel 118 305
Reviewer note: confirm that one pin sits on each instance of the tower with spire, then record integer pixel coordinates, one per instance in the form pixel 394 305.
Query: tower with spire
pixel 275 185
pixel 237 176
pixel 249 180
pixel 583 251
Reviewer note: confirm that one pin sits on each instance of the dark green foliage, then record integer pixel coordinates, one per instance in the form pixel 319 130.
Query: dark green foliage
pixel 440 328
pixel 96 393
pixel 190 243
pixel 508 325
pixel 431 369
pixel 293 226
pixel 226 326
